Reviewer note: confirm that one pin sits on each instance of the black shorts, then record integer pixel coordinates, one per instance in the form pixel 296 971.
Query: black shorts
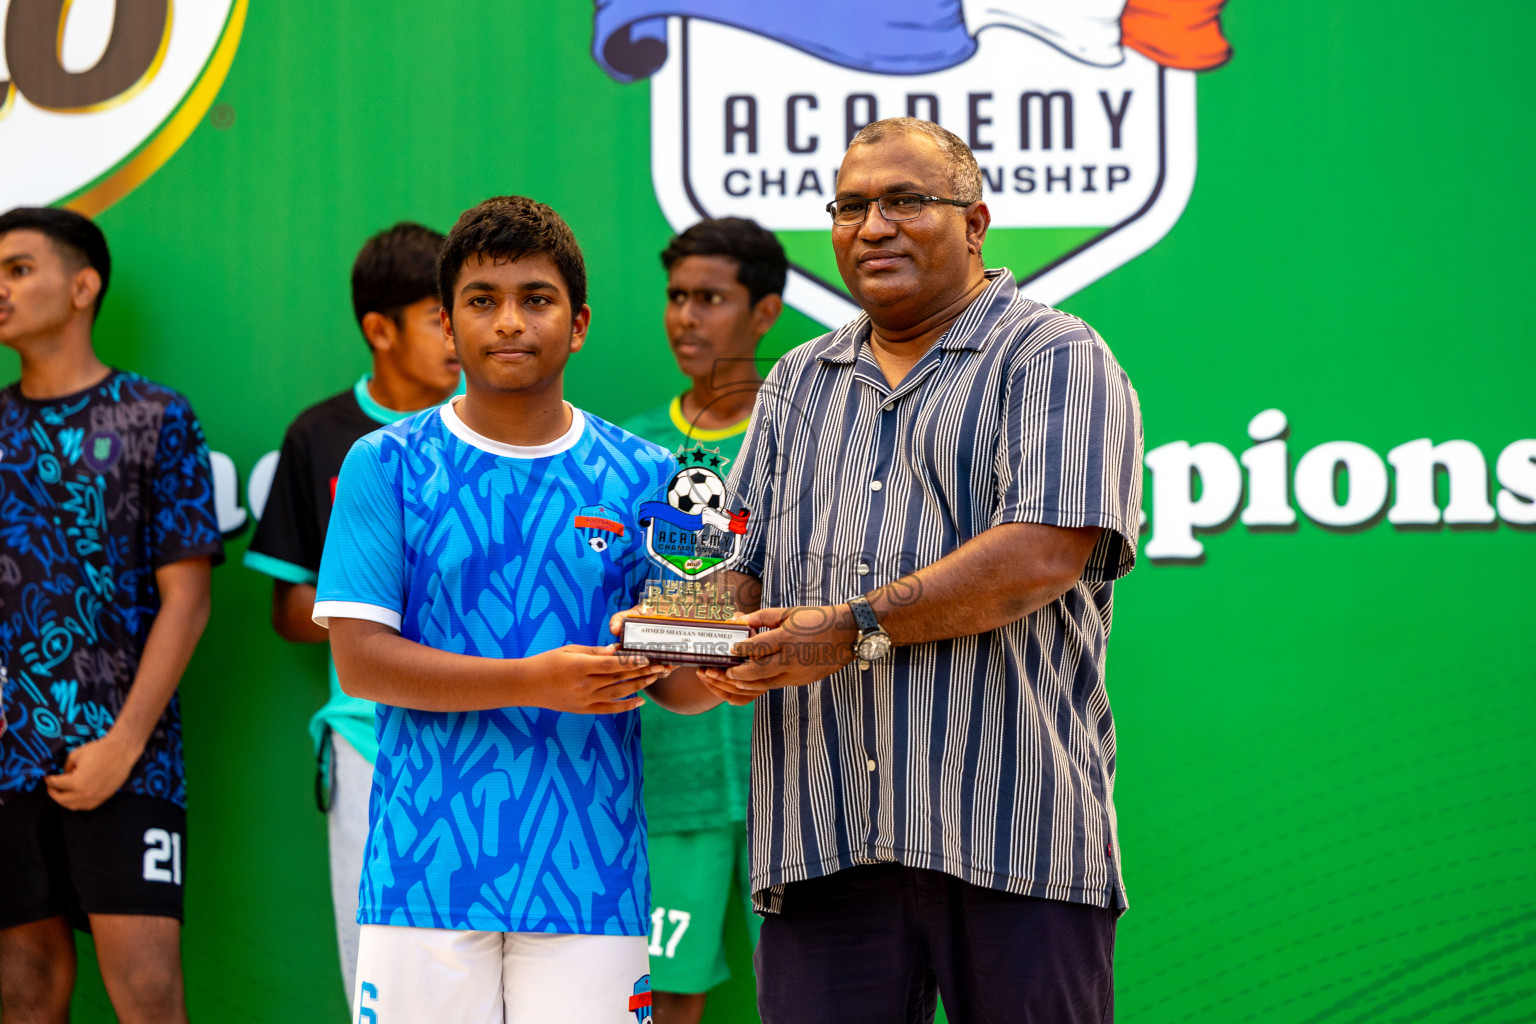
pixel 128 856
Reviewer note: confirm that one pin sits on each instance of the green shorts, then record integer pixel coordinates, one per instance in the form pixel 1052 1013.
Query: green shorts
pixel 693 878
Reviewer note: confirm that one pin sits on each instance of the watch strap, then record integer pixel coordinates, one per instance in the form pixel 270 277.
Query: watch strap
pixel 863 614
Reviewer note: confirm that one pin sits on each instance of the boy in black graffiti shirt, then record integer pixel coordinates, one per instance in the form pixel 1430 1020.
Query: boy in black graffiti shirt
pixel 107 536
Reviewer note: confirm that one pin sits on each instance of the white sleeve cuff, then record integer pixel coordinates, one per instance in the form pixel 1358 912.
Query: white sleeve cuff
pixel 327 610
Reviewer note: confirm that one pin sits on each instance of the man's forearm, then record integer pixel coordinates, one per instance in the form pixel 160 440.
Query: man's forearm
pixel 184 607
pixel 996 578
pixel 378 664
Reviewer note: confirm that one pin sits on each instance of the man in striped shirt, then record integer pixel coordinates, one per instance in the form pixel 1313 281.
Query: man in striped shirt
pixel 941 494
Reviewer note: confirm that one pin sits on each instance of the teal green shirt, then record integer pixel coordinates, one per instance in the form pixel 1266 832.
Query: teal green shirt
pixel 696 766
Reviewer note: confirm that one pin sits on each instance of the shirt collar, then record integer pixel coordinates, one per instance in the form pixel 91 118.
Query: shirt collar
pixel 380 413
pixel 463 431
pixel 970 330
pixel 372 408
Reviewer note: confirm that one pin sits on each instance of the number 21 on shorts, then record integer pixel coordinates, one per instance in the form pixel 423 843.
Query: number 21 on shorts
pixel 162 858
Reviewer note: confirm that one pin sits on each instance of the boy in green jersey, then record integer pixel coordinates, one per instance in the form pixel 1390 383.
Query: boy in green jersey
pixel 724 282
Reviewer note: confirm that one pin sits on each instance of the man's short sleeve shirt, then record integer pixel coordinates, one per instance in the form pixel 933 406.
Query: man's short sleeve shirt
pixel 990 757
pixel 97 491
pixel 515 819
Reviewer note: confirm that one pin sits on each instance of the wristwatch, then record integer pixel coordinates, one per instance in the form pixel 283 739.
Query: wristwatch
pixel 874 643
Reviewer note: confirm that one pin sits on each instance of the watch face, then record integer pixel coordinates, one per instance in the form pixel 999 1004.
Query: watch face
pixel 874 647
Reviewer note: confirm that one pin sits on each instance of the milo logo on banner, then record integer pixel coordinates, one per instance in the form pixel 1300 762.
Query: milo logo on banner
pixel 99 93
pixel 1080 112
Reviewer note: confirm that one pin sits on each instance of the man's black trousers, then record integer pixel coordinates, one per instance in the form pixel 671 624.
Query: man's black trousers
pixel 875 944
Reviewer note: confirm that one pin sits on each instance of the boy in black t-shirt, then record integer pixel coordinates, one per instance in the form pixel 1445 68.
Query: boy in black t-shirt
pixel 107 535
pixel 394 296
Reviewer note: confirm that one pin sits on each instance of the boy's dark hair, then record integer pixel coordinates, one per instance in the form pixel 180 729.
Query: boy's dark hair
pixel 505 229
pixel 77 238
pixel 394 269
pixel 760 261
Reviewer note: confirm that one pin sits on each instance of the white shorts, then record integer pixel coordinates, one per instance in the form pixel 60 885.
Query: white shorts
pixel 440 975
pixel 347 823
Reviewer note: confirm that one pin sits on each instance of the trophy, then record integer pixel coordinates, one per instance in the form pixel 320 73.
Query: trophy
pixel 691 538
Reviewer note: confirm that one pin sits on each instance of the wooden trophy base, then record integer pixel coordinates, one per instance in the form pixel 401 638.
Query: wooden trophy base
pixel 676 641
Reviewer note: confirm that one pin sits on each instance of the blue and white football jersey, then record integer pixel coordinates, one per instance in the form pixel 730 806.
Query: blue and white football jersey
pixel 518 819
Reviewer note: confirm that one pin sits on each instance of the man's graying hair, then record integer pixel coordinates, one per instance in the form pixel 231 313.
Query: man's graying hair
pixel 959 161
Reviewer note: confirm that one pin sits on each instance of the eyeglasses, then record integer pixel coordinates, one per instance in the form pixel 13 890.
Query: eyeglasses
pixel 893 206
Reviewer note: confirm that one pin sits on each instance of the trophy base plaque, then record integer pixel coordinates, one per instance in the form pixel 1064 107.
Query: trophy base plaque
pixel 678 641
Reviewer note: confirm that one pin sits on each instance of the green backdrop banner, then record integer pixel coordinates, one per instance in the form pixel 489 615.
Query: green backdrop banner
pixel 1308 251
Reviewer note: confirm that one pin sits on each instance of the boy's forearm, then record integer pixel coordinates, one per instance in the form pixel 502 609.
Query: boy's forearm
pixel 746 591
pixel 378 664
pixel 683 692
pixel 293 610
pixel 185 601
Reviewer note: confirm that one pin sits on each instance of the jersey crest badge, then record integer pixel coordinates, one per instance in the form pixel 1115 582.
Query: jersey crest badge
pixel 101 451
pixel 598 526
pixel 640 1002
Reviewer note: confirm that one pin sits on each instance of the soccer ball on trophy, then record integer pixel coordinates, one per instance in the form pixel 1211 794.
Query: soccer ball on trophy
pixel 694 489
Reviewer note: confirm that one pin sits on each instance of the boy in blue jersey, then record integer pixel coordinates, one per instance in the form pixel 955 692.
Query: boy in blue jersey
pixel 505 876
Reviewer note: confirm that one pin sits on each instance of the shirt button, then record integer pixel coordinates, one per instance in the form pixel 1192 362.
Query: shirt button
pixel 862 569
pixel 875 485
pixel 890 406
pixel 870 764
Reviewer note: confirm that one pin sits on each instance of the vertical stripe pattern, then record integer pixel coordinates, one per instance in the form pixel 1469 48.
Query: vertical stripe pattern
pixel 989 757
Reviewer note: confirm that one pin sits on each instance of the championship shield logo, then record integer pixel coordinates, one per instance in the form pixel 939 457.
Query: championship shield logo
pixel 1081 114
pixel 693 533
pixel 99 94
